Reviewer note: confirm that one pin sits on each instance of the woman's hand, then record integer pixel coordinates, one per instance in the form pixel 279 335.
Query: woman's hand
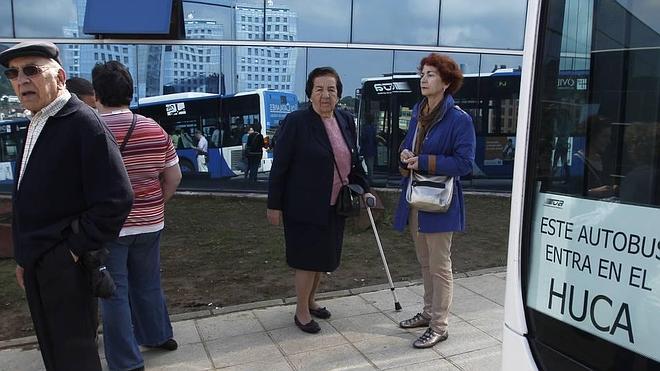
pixel 369 199
pixel 406 154
pixel 274 216
pixel 413 163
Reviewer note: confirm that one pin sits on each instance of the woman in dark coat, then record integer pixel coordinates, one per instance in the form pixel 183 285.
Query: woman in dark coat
pixel 316 153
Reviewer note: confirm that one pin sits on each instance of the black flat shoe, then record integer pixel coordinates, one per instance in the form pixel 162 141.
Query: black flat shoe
pixel 321 313
pixel 311 327
pixel 170 344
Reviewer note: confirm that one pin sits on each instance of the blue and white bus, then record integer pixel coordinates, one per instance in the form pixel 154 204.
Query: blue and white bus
pixel 12 135
pixel 223 120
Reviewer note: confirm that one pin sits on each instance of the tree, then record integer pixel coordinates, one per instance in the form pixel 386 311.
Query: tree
pixel 349 102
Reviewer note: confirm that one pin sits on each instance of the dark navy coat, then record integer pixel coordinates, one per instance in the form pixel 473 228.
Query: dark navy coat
pixel 75 172
pixel 303 168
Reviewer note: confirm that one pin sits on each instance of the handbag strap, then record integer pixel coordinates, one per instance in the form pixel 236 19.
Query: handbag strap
pixel 337 167
pixel 128 134
pixel 414 144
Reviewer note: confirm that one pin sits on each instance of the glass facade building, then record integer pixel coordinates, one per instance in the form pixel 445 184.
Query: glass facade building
pixel 233 46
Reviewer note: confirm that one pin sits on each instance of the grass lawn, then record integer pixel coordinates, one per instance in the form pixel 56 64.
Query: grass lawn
pixel 220 251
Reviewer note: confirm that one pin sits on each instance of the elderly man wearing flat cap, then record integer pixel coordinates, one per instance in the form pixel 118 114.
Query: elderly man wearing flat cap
pixel 71 195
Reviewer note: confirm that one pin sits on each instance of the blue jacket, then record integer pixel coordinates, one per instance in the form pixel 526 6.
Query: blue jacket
pixel 448 149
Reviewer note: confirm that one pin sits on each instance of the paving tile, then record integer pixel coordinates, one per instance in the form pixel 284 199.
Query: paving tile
pixel 185 332
pixel 487 285
pixel 394 351
pixel 292 340
pixel 434 365
pixel 341 357
pixel 384 301
pixel 242 349
pixel 190 357
pixel 463 337
pixel 24 360
pixel 276 363
pixel 347 306
pixel 475 307
pixel 417 289
pixel 228 325
pixel 366 326
pixel 276 317
pixel 492 326
pixel 484 359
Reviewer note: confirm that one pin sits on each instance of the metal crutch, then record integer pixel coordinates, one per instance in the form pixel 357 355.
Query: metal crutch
pixel 371 202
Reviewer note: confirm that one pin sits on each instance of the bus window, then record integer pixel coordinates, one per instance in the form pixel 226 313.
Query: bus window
pixel 223 121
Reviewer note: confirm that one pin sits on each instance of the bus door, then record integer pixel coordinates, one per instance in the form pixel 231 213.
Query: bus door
pixel 277 105
pixel 11 140
pixel 402 107
pixel 374 126
pixel 237 114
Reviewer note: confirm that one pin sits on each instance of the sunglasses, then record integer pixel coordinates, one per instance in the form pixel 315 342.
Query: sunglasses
pixel 29 71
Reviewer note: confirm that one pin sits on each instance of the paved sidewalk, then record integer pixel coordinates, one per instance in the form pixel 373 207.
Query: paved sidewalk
pixel 361 335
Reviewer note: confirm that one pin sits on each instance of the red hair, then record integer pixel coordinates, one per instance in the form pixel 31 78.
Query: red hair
pixel 449 70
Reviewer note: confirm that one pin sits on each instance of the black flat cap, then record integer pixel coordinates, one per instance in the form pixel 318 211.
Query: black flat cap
pixel 29 48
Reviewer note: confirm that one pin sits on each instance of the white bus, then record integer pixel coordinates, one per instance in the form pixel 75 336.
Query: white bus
pixel 583 277
pixel 223 120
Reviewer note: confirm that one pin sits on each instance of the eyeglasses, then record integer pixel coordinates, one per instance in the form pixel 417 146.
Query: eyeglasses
pixel 29 71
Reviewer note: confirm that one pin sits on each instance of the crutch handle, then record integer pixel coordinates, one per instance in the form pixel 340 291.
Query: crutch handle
pixel 371 201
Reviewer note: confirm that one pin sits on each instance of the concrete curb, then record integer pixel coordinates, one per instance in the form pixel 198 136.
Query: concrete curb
pixel 32 340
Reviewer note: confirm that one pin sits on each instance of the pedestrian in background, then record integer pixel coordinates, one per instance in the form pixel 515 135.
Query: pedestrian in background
pixel 202 151
pixel 369 145
pixel 254 150
pixel 136 314
pixel 83 89
pixel 71 195
pixel 316 154
pixel 444 145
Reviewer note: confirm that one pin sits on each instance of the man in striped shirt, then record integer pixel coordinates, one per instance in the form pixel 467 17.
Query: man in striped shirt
pixel 134 261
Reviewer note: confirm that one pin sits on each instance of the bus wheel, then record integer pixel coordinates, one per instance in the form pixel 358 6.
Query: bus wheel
pixel 186 166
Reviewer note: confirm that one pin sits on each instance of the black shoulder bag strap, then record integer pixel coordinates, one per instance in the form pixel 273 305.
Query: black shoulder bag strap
pixel 128 135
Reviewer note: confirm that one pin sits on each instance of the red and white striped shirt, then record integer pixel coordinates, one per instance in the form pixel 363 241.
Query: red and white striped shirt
pixel 147 154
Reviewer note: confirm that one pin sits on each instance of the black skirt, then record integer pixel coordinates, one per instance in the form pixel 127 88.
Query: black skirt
pixel 313 247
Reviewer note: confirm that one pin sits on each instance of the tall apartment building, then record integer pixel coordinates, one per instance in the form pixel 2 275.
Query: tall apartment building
pixel 269 67
pixel 193 67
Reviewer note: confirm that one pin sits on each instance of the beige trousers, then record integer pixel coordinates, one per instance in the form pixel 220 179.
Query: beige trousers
pixel 434 256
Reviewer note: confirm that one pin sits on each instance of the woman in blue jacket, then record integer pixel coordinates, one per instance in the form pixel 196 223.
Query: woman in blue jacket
pixel 445 146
